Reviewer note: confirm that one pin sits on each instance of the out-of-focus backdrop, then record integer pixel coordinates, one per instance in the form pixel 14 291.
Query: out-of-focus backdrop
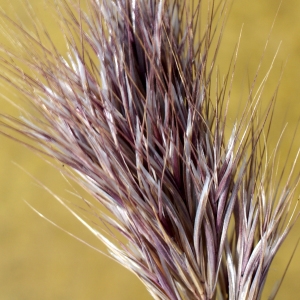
pixel 40 261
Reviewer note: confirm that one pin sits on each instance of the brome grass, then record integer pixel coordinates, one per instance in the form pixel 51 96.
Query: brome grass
pixel 138 111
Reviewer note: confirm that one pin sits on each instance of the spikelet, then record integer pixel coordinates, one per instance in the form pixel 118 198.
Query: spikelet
pixel 132 111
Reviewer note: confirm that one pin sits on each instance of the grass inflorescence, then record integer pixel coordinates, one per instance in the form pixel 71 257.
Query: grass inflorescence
pixel 139 112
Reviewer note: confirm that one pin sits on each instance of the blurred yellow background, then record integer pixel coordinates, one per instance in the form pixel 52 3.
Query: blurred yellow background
pixel 39 261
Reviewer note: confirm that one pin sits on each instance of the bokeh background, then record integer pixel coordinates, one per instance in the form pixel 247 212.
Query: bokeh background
pixel 40 261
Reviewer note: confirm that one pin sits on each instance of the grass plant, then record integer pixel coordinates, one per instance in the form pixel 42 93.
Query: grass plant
pixel 137 111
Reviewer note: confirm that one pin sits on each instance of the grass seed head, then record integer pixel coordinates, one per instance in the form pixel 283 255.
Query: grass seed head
pixel 133 110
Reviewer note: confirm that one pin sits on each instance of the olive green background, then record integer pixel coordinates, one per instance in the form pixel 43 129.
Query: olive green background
pixel 40 261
